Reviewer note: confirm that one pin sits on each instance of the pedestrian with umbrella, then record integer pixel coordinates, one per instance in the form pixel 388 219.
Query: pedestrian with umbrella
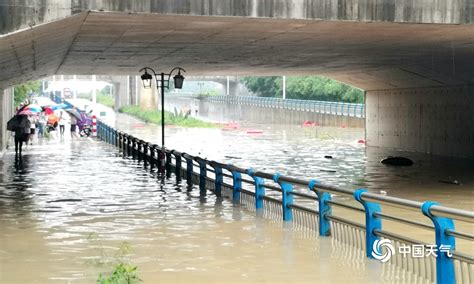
pixel 20 125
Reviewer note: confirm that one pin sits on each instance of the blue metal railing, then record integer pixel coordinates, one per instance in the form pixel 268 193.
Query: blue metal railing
pixel 334 108
pixel 289 198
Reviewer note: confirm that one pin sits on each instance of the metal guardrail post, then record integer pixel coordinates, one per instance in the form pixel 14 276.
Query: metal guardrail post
pixel 146 157
pixel 119 140
pixel 202 176
pixel 124 145
pixel 139 150
pixel 116 140
pixel 153 159
pixel 177 169
pixel 372 222
pixel 98 129
pixel 259 189
pixel 219 180
pixel 189 171
pixel 236 186
pixel 168 164
pixel 444 244
pixel 287 198
pixel 324 209
pixel 129 145
pixel 134 148
pixel 161 160
pixel 112 136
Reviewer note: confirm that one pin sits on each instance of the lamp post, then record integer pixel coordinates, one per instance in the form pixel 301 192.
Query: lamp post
pixel 162 81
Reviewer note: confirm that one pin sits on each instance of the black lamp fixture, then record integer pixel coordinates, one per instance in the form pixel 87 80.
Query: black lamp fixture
pixel 162 81
pixel 178 80
pixel 146 79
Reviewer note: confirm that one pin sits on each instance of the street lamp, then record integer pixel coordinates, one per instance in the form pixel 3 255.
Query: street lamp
pixel 161 82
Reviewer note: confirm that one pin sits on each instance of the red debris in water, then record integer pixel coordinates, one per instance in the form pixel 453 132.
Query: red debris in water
pixel 231 126
pixel 254 131
pixel 308 123
pixel 361 141
pixel 138 125
pixel 343 126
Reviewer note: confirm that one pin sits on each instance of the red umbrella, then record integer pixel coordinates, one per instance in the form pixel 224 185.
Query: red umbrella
pixel 48 110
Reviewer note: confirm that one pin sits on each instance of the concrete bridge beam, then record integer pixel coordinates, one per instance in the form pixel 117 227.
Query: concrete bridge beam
pixel 430 120
pixel 15 14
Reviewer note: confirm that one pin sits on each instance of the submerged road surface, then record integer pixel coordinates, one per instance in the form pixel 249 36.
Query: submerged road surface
pixel 73 209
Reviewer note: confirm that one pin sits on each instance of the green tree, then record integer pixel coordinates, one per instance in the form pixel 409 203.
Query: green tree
pixel 22 91
pixel 304 88
pixel 264 86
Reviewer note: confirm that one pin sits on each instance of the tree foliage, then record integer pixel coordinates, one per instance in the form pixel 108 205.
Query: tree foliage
pixel 264 86
pixel 304 88
pixel 22 91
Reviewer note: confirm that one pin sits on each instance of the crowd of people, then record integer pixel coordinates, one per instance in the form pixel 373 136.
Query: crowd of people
pixel 27 125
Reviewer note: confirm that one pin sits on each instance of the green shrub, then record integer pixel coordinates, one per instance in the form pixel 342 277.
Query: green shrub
pixel 123 274
pixel 177 118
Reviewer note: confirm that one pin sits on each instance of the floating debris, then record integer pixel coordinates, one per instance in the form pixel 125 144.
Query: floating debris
pixel 65 200
pixel 455 182
pixel 232 157
pixel 397 161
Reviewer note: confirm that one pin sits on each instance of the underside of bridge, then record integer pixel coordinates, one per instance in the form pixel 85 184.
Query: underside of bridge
pixel 417 77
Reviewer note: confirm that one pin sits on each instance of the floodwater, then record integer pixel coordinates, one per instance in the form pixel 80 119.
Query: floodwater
pixel 300 152
pixel 71 210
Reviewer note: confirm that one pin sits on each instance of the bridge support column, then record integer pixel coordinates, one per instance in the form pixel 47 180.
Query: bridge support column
pixel 429 120
pixel 121 91
pixel 6 112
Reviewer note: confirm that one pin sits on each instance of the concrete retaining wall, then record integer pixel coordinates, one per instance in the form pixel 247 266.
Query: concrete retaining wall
pixel 253 114
pixel 6 112
pixel 430 120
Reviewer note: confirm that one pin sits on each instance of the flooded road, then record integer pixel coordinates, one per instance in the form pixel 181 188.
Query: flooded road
pixel 73 209
pixel 301 151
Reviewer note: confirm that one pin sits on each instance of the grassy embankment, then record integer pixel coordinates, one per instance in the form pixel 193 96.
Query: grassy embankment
pixel 178 119
pixel 105 100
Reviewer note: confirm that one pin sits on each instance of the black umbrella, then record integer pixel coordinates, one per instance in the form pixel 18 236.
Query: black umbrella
pixel 18 121
pixel 74 113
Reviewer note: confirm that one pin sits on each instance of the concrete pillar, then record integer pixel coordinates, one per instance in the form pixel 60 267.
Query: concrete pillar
pixel 429 120
pixel 6 112
pixel 137 89
pixel 150 98
pixel 94 90
pixel 62 88
pixel 121 93
pixel 74 92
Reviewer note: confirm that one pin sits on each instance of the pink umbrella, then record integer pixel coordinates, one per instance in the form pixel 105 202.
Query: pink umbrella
pixel 26 112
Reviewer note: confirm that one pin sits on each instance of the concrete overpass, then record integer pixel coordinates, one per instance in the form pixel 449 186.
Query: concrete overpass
pixel 415 59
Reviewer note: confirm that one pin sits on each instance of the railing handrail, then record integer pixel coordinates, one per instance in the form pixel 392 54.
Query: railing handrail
pixel 337 108
pixel 441 216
